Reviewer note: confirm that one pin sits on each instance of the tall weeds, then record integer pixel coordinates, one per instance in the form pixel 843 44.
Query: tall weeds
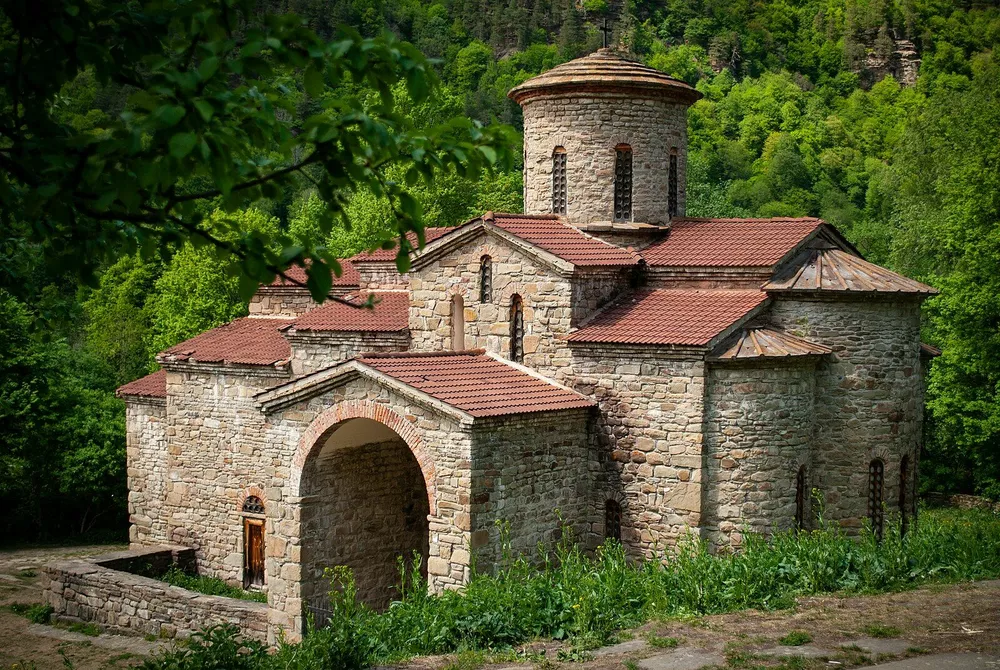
pixel 563 593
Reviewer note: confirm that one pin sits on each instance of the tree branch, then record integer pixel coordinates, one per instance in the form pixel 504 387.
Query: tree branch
pixel 312 158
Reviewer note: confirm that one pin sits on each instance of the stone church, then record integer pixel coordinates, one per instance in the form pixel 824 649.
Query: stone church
pixel 600 361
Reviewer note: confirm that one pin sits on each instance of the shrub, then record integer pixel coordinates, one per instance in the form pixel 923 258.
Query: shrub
pixel 33 612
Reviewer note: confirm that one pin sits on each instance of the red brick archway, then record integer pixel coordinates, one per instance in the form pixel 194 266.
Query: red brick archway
pixel 364 409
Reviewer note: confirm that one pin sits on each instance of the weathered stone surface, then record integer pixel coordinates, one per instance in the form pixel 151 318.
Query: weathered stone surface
pixel 879 646
pixel 801 651
pixel 682 659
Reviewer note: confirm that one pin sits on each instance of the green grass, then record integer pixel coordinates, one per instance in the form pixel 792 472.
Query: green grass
pixel 662 642
pixel 33 612
pixel 93 630
pixel 566 595
pixel 210 586
pixel 882 632
pixel 796 638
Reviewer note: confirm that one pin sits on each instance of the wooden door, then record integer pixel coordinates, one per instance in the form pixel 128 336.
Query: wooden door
pixel 253 552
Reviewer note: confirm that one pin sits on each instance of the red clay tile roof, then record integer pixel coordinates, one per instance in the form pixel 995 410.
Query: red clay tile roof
pixel 838 270
pixel 549 232
pixel 681 317
pixel 390 314
pixel 768 342
pixel 604 70
pixel 728 242
pixel 151 386
pixel 348 275
pixel 388 255
pixel 246 341
pixel 477 384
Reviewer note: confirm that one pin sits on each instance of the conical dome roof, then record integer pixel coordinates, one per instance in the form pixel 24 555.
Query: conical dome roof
pixel 605 70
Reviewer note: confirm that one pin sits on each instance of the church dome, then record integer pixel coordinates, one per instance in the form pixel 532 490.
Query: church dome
pixel 605 70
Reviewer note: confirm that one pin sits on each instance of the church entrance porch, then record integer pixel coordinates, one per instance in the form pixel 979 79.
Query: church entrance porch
pixel 364 506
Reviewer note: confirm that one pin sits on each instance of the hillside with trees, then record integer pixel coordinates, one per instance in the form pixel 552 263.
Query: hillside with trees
pixel 801 116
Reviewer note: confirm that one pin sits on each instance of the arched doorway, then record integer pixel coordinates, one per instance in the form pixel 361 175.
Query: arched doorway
pixel 364 504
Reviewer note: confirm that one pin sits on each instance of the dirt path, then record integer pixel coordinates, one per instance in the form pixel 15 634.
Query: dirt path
pixel 932 620
pixel 25 645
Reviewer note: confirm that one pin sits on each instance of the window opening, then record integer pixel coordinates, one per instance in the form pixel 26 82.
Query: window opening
pixel 800 499
pixel 516 329
pixel 485 279
pixel 253 543
pixel 559 186
pixel 672 184
pixel 904 483
pixel 613 520
pixel 623 183
pixel 876 486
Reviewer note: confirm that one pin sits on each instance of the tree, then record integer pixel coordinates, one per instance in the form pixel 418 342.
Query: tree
pixel 211 118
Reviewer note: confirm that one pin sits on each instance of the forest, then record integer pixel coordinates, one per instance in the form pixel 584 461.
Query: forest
pixel 798 118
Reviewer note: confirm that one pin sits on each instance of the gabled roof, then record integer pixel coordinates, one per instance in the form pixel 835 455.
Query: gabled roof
pixel 245 341
pixel 348 275
pixel 669 317
pixel 729 242
pixel 547 236
pixel 763 341
pixel 475 383
pixel 391 313
pixel 151 386
pixel 466 384
pixel 389 255
pixel 831 269
pixel 554 235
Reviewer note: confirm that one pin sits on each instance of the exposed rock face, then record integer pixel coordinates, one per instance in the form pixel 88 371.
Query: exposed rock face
pixel 903 64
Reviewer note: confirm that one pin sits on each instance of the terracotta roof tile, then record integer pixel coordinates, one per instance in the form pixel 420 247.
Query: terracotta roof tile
pixel 390 314
pixel 151 386
pixel 768 342
pixel 475 383
pixel 681 317
pixel 838 270
pixel 246 341
pixel 348 275
pixel 728 242
pixel 550 233
pixel 388 255
pixel 602 70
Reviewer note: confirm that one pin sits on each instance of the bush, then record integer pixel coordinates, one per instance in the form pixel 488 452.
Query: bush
pixel 565 594
pixel 33 612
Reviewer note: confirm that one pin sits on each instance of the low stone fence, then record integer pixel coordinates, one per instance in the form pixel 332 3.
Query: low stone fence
pixel 107 591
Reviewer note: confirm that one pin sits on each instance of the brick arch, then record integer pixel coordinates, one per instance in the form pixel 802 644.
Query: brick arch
pixel 248 491
pixel 364 409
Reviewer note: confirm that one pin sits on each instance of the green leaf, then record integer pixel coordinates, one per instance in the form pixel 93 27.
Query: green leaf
pixel 312 79
pixel 169 115
pixel 205 109
pixel 208 67
pixel 182 144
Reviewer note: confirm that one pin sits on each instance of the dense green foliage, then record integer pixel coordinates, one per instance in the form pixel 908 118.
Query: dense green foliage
pixel 566 595
pixel 792 123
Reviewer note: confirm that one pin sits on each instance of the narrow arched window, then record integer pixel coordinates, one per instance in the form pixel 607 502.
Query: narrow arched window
pixel 672 184
pixel 904 500
pixel 876 486
pixel 457 323
pixel 485 279
pixel 800 499
pixel 253 542
pixel 613 520
pixel 559 188
pixel 623 183
pixel 516 329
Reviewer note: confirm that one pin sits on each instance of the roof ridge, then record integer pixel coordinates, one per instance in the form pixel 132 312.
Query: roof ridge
pixel 418 354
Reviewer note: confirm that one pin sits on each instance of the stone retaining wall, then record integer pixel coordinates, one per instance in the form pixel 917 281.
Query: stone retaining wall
pixel 98 590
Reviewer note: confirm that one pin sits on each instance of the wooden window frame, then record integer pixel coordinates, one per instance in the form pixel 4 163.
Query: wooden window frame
pixel 254 573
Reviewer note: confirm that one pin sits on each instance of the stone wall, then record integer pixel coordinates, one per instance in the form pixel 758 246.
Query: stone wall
pixel 758 433
pixel 217 451
pixel 381 276
pixel 296 433
pixel 869 393
pixel 650 432
pixel 313 351
pixel 370 509
pixel 276 301
pixel 529 471
pixel 120 602
pixel 546 299
pixel 146 458
pixel 589 127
